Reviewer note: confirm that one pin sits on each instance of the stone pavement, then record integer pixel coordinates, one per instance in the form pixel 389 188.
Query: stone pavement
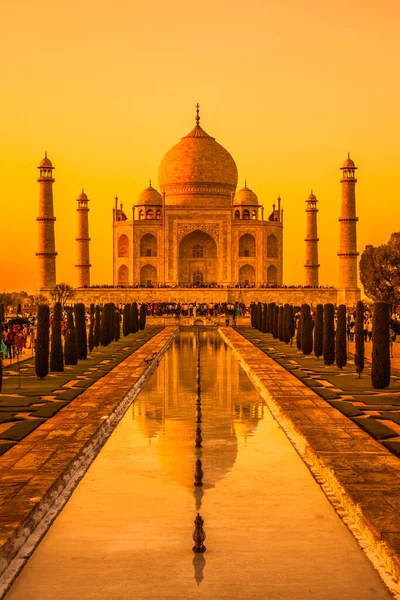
pixel 362 475
pixel 375 411
pixel 35 472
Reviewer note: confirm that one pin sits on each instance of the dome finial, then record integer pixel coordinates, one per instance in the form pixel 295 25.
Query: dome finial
pixel 150 182
pixel 197 115
pixel 348 155
pixel 45 153
pixel 245 183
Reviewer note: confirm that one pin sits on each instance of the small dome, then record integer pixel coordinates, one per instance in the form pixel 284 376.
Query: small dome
pixel 348 163
pixel 45 162
pixel 246 196
pixel 150 196
pixel 311 196
pixel 82 196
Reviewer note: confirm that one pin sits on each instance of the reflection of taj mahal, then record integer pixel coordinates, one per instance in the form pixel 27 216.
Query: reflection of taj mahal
pixel 198 229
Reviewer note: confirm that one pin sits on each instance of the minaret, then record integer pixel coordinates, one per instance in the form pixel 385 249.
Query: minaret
pixel 46 249
pixel 311 265
pixel 348 293
pixel 83 263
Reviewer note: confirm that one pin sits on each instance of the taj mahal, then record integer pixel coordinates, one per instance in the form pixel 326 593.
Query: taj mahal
pixel 198 231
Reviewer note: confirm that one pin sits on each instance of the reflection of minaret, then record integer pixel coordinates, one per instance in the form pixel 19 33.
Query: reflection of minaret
pixel 83 263
pixel 311 265
pixel 46 251
pixel 348 291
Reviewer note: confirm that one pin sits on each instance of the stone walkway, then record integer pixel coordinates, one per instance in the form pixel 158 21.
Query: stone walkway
pixel 361 474
pixel 36 471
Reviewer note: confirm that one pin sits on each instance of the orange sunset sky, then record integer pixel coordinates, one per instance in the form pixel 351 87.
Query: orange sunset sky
pixel 288 87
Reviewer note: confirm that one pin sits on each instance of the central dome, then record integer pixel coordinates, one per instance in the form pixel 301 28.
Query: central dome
pixel 197 165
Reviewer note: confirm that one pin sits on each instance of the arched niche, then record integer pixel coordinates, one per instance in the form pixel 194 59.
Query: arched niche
pixel 247 245
pixel 272 246
pixel 148 275
pixel 123 246
pixel 272 274
pixel 247 275
pixel 123 274
pixel 148 245
pixel 198 252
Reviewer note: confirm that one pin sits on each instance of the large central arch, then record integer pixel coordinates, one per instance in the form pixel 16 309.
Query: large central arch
pixel 198 259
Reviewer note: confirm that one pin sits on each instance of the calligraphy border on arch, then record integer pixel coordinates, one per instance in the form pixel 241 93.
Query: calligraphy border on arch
pixel 185 228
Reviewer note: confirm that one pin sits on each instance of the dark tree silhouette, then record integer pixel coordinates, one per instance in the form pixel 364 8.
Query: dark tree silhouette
pixel 319 331
pixel 105 326
pixel 340 339
pixel 359 337
pixel 264 318
pixel 329 334
pixel 290 324
pixel 143 313
pixel 56 354
pixel 299 330
pixel 91 328
pixel 380 372
pixel 80 327
pixel 42 341
pixel 275 332
pixel 135 318
pixel 270 317
pixel 126 320
pixel 71 346
pixel 307 330
pixel 117 325
pixel 97 321
pixel 280 324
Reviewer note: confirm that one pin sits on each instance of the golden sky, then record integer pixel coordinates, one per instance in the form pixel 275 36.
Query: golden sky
pixel 288 87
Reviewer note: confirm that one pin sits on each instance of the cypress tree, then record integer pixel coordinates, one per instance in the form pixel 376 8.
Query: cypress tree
pixel 56 354
pixel 135 319
pixel 319 331
pixel 117 325
pixel 264 318
pixel 104 326
pixel 280 324
pixel 91 328
pixel 2 314
pixel 126 320
pixel 96 337
pixel 42 341
pixel 307 330
pixel 111 321
pixel 80 327
pixel 270 321
pixel 359 337
pixel 328 343
pixel 275 322
pixel 340 340
pixel 143 313
pixel 252 314
pixel 290 324
pixel 71 346
pixel 19 309
pixel 298 332
pixel 380 372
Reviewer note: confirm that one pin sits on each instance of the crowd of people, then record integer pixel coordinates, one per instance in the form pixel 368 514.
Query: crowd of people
pixel 211 285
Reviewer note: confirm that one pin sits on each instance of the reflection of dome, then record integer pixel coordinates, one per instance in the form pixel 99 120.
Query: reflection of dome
pixel 246 196
pixel 150 196
pixel 198 165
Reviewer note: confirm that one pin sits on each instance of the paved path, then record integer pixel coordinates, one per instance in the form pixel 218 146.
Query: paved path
pixel 127 530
